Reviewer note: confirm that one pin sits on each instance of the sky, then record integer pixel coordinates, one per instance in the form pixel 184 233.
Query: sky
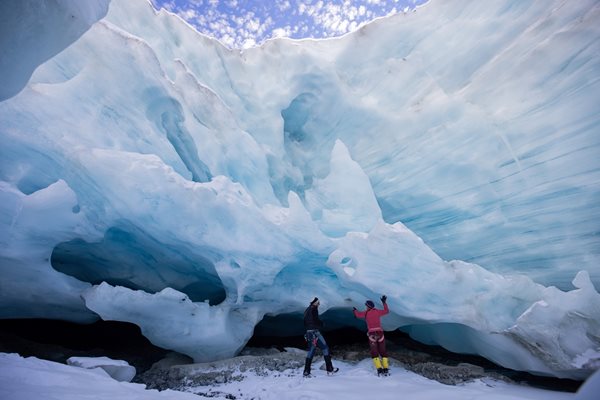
pixel 32 379
pixel 242 23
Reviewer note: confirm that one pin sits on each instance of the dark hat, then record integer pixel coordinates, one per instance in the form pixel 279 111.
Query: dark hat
pixel 369 304
pixel 314 301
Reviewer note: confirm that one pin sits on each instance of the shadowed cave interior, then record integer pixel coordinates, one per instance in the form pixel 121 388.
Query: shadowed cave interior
pixel 58 340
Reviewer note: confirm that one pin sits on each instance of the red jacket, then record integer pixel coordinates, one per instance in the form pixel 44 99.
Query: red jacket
pixel 373 317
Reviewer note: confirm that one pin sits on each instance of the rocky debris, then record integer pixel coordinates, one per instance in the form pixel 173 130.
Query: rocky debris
pixel 448 374
pixel 263 362
pixel 178 377
pixel 172 358
pixel 161 369
pixel 431 366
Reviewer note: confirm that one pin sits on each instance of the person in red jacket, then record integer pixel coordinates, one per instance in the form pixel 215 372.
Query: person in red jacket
pixel 372 316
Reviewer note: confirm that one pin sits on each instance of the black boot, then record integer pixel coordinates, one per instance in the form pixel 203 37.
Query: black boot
pixel 307 367
pixel 329 366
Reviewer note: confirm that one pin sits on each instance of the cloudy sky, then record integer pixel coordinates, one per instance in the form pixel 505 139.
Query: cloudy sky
pixel 243 23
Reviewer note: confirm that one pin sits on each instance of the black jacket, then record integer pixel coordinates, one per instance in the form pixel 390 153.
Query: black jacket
pixel 311 318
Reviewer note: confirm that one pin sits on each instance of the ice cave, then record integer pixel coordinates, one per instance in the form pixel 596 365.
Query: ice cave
pixel 448 157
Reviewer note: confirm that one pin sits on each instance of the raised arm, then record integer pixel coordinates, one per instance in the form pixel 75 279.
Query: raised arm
pixel 386 309
pixel 358 314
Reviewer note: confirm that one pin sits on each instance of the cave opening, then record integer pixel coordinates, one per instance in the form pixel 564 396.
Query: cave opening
pixel 58 340
pixel 128 257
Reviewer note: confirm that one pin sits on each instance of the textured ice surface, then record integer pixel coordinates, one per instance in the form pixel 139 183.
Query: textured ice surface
pixel 148 174
pixel 33 31
pixel 117 369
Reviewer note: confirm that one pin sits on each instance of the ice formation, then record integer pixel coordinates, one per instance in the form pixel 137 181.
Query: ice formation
pixel 117 369
pixel 446 157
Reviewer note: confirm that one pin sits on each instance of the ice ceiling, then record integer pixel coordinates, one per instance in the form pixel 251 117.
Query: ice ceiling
pixel 447 157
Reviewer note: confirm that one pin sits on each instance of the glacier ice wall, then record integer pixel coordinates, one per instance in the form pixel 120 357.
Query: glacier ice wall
pixel 148 174
pixel 33 31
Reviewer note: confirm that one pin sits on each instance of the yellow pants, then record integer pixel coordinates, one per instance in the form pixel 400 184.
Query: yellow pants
pixel 381 363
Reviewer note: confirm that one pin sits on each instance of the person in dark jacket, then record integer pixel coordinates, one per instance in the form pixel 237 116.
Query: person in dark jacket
pixel 372 317
pixel 312 324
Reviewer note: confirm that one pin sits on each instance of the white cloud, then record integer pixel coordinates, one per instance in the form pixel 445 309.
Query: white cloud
pixel 333 19
pixel 352 12
pixel 169 6
pixel 245 23
pixel 227 40
pixel 282 32
pixel 253 25
pixel 188 14
pixel 247 43
pixel 283 5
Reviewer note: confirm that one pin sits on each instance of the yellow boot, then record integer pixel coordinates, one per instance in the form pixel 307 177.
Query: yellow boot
pixel 377 363
pixel 385 366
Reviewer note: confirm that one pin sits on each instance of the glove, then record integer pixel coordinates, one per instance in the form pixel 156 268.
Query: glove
pixel 383 299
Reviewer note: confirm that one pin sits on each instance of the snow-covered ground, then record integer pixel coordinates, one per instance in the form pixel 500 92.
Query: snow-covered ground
pixel 33 379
